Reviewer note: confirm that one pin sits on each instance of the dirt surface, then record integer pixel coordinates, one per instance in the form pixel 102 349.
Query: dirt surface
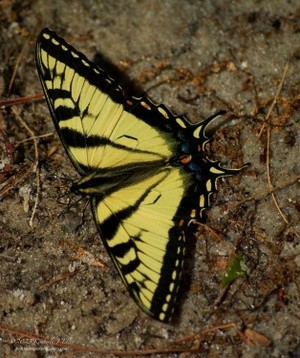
pixel 196 57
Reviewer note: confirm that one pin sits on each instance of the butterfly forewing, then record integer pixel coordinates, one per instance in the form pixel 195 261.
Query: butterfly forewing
pixel 94 128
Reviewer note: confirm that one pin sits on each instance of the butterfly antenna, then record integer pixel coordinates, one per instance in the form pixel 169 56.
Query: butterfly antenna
pixel 70 204
pixel 82 214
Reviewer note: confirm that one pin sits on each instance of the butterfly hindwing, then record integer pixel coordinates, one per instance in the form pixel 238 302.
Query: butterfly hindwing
pixel 139 232
pixel 143 167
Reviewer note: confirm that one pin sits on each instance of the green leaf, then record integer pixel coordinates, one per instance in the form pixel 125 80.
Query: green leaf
pixel 236 269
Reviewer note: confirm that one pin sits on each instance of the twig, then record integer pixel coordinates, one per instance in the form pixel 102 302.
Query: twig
pixel 268 159
pixel 19 100
pixel 36 168
pixel 14 181
pixel 263 192
pixel 20 57
pixel 35 137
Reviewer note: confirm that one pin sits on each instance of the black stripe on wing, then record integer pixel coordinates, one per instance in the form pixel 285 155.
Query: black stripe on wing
pixel 58 48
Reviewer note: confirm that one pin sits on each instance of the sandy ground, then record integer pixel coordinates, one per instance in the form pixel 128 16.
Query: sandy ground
pixel 196 57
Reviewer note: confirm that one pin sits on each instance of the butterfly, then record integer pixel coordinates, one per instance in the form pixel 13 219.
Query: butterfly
pixel 145 170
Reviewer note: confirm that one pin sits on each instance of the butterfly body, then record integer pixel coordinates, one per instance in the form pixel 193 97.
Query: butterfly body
pixel 144 169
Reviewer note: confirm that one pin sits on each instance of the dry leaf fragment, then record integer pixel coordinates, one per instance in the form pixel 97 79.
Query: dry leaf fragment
pixel 256 337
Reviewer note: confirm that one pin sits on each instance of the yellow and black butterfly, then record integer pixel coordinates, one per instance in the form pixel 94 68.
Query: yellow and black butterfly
pixel 144 169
